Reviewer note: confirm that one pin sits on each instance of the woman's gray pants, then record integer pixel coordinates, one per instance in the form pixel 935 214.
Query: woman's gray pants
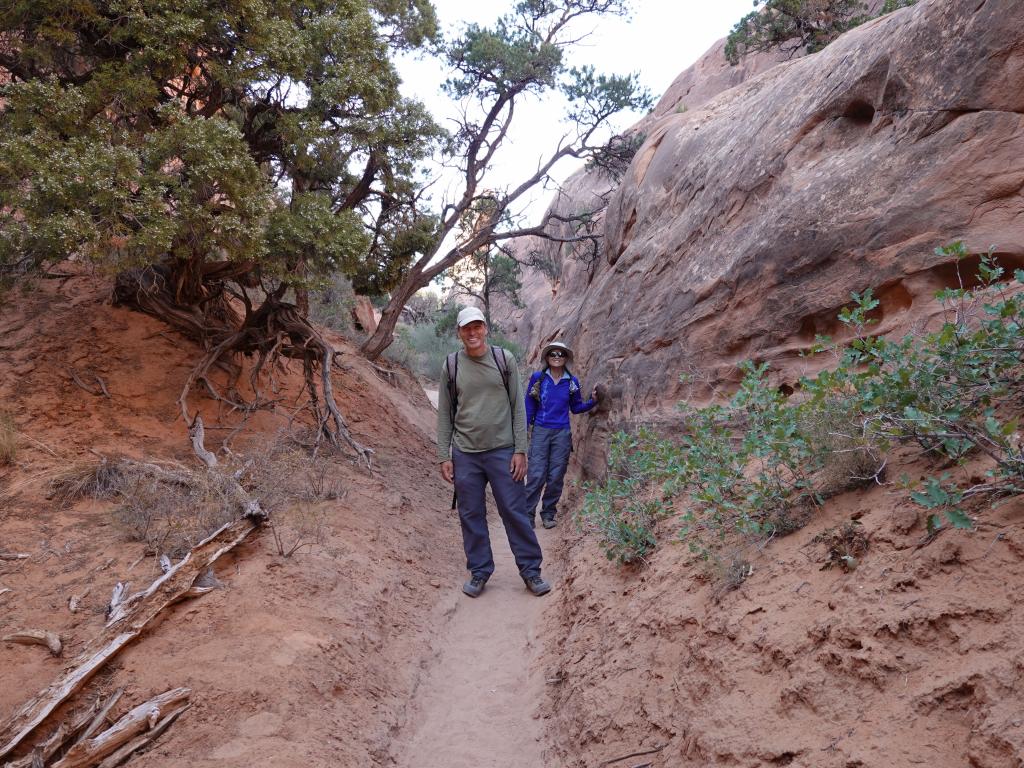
pixel 548 460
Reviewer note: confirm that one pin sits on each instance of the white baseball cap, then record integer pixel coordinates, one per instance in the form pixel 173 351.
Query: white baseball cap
pixel 470 315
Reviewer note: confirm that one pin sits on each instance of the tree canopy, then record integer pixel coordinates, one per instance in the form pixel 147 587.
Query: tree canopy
pixel 799 26
pixel 263 133
pixel 493 69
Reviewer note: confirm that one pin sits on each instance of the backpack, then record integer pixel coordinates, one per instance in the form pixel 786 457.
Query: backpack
pixel 451 369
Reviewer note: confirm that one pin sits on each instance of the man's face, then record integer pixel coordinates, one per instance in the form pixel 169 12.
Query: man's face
pixel 474 337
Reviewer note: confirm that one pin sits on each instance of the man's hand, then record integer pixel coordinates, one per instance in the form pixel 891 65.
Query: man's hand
pixel 518 467
pixel 448 470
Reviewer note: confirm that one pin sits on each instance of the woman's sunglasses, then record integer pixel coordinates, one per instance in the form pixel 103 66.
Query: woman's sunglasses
pixel 556 354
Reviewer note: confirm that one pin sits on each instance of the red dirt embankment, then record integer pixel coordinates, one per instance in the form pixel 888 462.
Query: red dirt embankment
pixel 912 658
pixel 309 660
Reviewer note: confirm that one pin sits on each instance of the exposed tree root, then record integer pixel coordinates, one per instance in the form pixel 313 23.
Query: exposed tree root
pixel 273 330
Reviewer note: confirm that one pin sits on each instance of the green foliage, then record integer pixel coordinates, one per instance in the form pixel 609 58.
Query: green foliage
pixel 332 303
pixel 758 465
pixel 614 158
pixel 622 511
pixel 798 25
pixel 271 134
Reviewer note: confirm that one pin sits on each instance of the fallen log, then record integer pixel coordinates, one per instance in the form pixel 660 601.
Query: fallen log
pixel 145 717
pixel 36 637
pixel 126 623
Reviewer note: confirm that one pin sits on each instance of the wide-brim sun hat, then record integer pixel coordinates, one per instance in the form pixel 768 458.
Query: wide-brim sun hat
pixel 556 345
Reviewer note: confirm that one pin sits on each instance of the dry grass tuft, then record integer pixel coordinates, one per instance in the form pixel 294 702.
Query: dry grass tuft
pixel 8 439
pixel 172 507
pixel 850 458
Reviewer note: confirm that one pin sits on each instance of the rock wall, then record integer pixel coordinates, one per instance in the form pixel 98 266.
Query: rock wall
pixel 744 222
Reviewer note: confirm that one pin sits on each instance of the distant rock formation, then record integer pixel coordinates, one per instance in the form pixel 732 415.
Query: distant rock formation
pixel 744 223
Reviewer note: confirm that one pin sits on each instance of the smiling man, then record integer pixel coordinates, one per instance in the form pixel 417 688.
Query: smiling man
pixel 481 439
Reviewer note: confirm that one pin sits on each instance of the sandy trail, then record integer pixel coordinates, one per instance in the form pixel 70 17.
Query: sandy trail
pixel 477 707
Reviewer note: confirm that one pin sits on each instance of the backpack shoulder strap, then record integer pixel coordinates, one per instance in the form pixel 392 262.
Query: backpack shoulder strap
pixel 451 368
pixel 502 362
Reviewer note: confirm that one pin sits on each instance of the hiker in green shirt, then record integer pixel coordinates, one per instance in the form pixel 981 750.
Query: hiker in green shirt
pixel 481 440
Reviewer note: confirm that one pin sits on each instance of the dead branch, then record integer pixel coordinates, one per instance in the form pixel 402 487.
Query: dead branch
pixel 139 742
pixel 117 596
pixel 103 385
pixel 145 717
pixel 196 434
pixel 130 620
pixel 36 637
pixel 82 385
pixel 101 716
pixel 633 754
pixel 5 590
pixel 76 600
pixel 12 556
pixel 64 733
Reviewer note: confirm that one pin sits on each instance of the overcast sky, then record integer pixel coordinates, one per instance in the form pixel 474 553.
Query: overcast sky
pixel 660 40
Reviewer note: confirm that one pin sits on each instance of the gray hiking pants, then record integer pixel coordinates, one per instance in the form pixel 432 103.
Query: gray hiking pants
pixel 548 460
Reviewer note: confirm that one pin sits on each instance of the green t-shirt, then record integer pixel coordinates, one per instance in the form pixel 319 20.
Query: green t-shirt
pixel 488 418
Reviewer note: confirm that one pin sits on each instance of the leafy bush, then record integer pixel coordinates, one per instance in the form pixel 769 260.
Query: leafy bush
pixel 332 305
pixel 760 464
pixel 421 350
pixel 623 510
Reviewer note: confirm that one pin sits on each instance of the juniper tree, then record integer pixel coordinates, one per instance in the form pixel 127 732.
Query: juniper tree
pixel 201 151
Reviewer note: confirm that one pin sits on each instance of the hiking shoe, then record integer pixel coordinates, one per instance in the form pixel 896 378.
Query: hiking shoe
pixel 537 585
pixel 549 522
pixel 474 586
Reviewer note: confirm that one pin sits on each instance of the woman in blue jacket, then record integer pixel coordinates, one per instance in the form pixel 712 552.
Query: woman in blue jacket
pixel 550 395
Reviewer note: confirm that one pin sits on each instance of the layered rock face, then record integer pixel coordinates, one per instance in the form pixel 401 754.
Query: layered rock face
pixel 743 224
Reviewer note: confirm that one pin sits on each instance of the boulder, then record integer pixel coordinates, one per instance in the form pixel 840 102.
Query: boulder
pixel 364 316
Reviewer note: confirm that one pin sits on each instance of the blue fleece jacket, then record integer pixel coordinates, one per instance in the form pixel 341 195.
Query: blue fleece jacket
pixel 557 399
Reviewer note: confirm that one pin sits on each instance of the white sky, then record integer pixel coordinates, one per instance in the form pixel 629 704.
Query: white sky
pixel 660 40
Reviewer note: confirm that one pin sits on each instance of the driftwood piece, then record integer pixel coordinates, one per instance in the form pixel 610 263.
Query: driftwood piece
pixel 145 739
pixel 13 556
pixel 36 637
pixel 198 434
pixel 61 736
pixel 145 717
pixel 131 619
pixel 75 602
pixel 117 596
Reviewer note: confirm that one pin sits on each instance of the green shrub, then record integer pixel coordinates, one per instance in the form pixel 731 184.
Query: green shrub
pixel 622 511
pixel 759 465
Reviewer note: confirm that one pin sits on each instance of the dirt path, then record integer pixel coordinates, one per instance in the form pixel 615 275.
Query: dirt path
pixel 477 707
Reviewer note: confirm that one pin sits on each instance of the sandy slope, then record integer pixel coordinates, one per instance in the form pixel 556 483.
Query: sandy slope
pixel 309 660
